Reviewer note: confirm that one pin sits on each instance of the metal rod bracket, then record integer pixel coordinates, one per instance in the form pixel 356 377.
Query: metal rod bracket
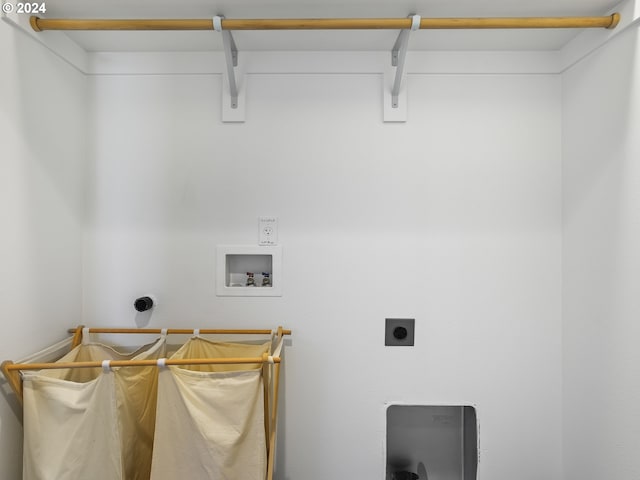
pixel 398 55
pixel 230 91
pixel 231 57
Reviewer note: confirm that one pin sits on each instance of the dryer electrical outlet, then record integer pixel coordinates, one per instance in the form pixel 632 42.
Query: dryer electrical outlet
pixel 268 230
pixel 399 332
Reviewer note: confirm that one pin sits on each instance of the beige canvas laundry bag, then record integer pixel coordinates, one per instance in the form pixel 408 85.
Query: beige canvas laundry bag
pixel 91 423
pixel 210 418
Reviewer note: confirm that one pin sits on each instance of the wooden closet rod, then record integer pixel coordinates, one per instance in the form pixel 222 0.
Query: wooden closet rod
pixel 8 366
pixel 608 21
pixel 180 331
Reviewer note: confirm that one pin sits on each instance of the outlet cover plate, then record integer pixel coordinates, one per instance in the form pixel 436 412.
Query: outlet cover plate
pixel 268 230
pixel 399 332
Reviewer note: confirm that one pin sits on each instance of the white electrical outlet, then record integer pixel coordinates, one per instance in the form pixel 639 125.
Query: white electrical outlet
pixel 268 230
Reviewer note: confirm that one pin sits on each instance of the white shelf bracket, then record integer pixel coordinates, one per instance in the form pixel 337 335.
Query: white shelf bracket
pixel 232 96
pixel 395 107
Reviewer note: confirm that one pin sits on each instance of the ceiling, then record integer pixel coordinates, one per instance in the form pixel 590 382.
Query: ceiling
pixel 324 40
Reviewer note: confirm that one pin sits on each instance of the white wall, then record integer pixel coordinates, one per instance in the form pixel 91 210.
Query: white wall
pixel 601 262
pixel 42 138
pixel 452 218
